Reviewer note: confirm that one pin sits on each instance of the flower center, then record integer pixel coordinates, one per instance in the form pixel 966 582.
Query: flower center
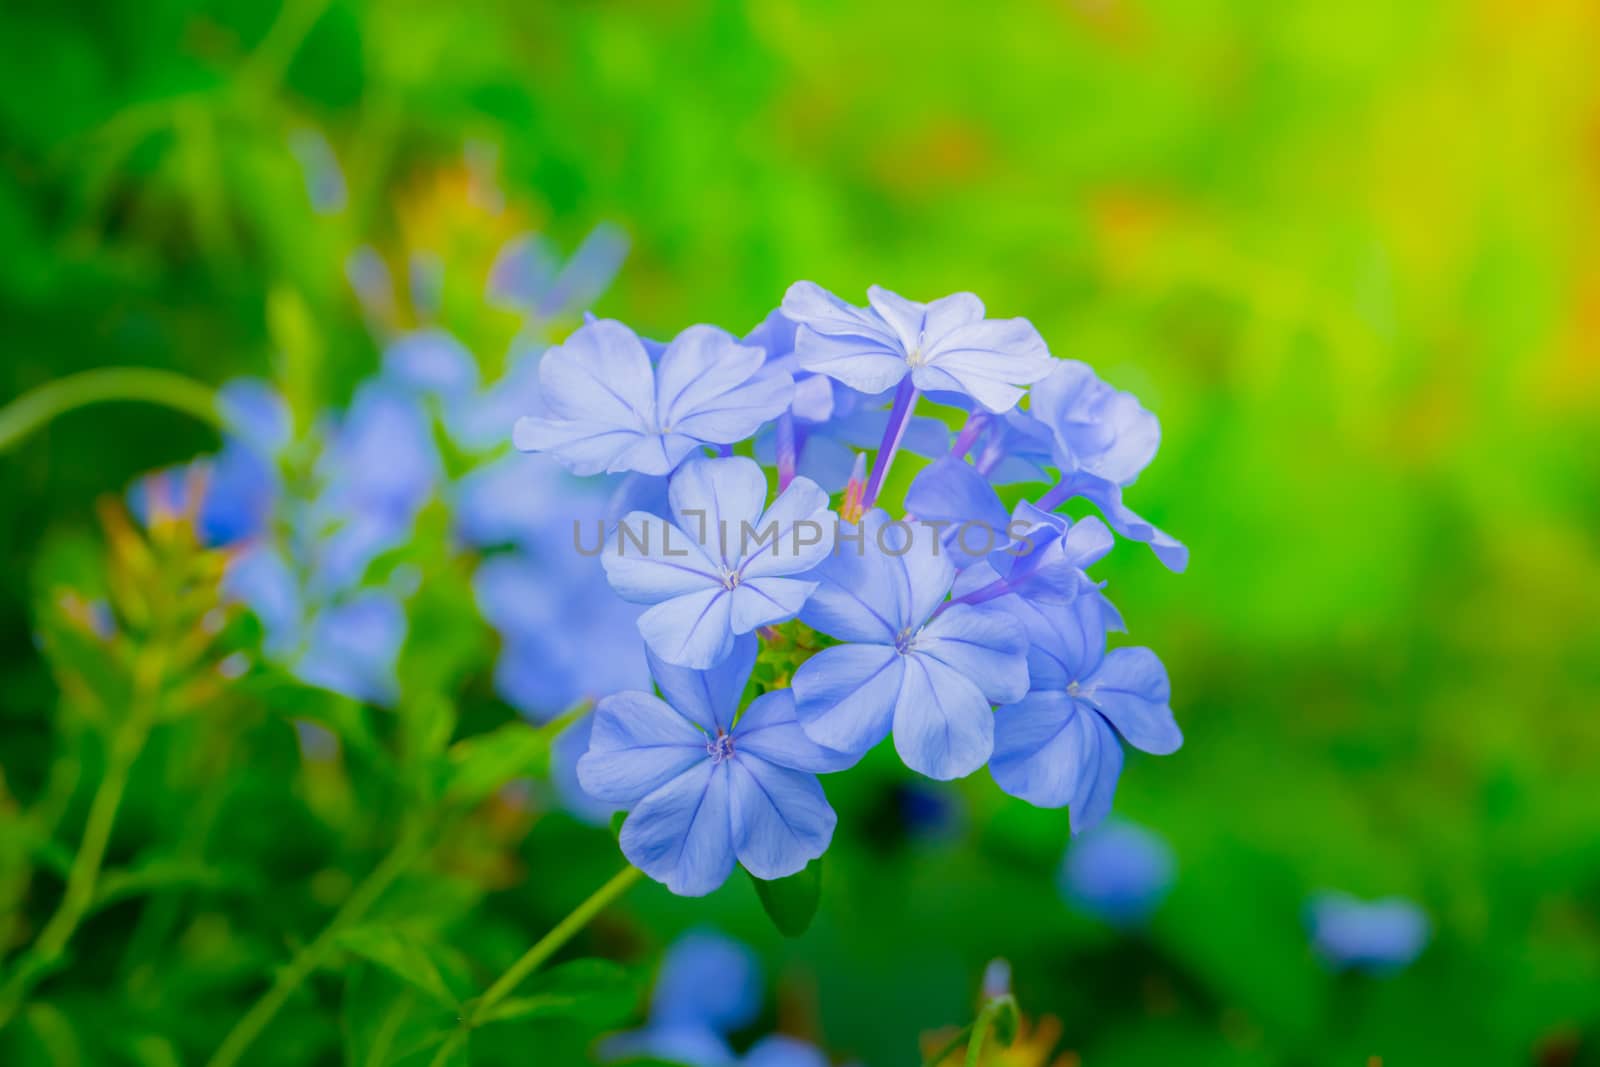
pixel 915 357
pixel 1072 689
pixel 730 578
pixel 906 640
pixel 720 747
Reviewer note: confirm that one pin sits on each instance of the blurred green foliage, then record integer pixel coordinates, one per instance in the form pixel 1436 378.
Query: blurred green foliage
pixel 1346 251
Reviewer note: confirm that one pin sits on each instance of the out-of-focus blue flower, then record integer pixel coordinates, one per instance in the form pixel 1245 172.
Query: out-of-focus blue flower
pixel 1061 744
pixel 611 409
pixel 353 647
pixel 1380 936
pixel 554 620
pixel 946 346
pixel 431 361
pixel 726 562
pixel 1102 438
pixel 325 186
pixel 527 275
pixel 1117 872
pixel 709 979
pixel 708 986
pixel 928 672
pixel 780 1050
pixel 704 791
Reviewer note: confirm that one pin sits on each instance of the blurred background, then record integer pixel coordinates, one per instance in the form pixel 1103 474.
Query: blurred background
pixel 1348 252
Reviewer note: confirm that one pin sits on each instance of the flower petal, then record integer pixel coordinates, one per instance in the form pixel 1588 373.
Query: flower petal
pixel 761 601
pixel 680 834
pixel 781 818
pixel 648 560
pixel 943 725
pixel 983 644
pixel 709 698
pixel 1130 689
pixel 637 744
pixel 1051 751
pixel 713 388
pixel 600 375
pixel 845 695
pixel 859 592
pixel 792 536
pixel 986 360
pixel 770 729
pixel 714 499
pixel 691 630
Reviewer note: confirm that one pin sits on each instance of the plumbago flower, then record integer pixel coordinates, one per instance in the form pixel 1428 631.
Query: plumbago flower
pixel 969 631
pixel 705 785
pixel 946 346
pixel 612 408
pixel 1378 937
pixel 912 664
pixel 725 565
pixel 1061 743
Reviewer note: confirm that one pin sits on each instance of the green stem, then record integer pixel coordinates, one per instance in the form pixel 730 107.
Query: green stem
pixel 309 958
pixel 536 957
pixel 37 407
pixel 84 874
pixel 980 1030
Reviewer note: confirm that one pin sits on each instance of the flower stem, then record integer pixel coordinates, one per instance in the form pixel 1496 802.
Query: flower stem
pixel 535 957
pixel 34 409
pixel 905 399
pixel 309 958
pixel 1054 496
pixel 980 1031
pixel 976 422
pixel 84 874
pixel 786 450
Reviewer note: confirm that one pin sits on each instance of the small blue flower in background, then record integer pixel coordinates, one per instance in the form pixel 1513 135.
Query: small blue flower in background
pixel 554 621
pixel 611 409
pixel 708 987
pixel 325 184
pixel 1379 937
pixel 1061 744
pixel 946 346
pixel 1117 872
pixel 910 664
pixel 727 562
pixel 705 789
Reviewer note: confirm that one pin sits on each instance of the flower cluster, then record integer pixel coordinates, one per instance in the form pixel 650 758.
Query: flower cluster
pixel 967 628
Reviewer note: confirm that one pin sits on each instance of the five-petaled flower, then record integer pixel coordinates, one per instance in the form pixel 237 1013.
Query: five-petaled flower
pixel 1061 744
pixel 706 786
pixel 946 346
pixel 725 565
pixel 928 671
pixel 610 408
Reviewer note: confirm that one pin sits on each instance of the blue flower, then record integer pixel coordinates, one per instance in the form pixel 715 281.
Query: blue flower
pixel 527 275
pixel 709 980
pixel 611 409
pixel 946 346
pixel 552 619
pixel 1380 937
pixel 1117 872
pixel 780 1050
pixel 927 671
pixel 1061 744
pixel 725 564
pixel 1102 439
pixel 708 987
pixel 703 789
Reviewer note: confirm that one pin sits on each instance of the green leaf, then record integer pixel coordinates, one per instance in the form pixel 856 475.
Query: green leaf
pixel 480 765
pixel 400 955
pixel 791 902
pixel 597 992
